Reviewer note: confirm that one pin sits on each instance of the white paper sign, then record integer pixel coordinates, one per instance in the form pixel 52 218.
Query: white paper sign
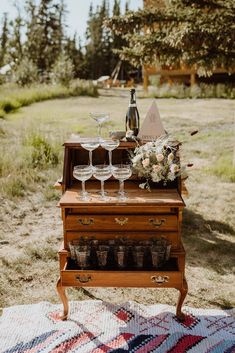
pixel 152 126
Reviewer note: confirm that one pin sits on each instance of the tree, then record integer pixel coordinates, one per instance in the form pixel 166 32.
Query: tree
pixel 198 33
pixel 63 70
pixel 15 41
pixel 4 40
pixel 44 33
pixel 98 43
pixel 25 72
pixel 73 49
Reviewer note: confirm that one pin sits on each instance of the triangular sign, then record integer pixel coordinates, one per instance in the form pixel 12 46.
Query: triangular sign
pixel 152 126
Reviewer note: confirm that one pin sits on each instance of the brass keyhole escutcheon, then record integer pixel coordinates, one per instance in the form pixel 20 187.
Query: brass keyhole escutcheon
pixel 156 222
pixel 160 279
pixel 83 278
pixel 121 221
pixel 86 221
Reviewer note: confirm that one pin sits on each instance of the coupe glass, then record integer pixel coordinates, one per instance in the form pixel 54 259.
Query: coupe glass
pixel 110 145
pixel 102 173
pixel 100 118
pixel 90 146
pixel 121 172
pixel 83 173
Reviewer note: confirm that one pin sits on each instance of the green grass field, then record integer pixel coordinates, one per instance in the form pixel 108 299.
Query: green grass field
pixel 31 155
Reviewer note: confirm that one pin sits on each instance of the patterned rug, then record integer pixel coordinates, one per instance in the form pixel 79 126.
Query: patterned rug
pixel 99 327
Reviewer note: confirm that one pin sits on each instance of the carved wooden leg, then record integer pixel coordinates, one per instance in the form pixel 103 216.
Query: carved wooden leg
pixel 64 299
pixel 182 295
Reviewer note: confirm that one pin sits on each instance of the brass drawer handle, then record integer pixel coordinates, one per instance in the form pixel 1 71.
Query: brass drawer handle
pixel 160 279
pixel 121 221
pixel 156 222
pixel 83 278
pixel 86 221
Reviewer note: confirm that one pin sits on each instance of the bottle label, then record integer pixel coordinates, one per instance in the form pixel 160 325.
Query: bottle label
pixel 132 105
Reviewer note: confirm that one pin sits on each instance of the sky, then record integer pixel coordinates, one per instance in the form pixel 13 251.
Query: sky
pixel 77 12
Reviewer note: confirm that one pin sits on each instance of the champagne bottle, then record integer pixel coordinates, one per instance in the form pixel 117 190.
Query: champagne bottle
pixel 132 117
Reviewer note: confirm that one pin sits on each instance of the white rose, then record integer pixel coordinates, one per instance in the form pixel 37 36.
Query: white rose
pixel 155 177
pixel 159 157
pixel 174 168
pixel 156 168
pixel 145 162
pixel 170 157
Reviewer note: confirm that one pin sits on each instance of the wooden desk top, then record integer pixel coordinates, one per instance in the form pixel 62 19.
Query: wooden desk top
pixel 136 196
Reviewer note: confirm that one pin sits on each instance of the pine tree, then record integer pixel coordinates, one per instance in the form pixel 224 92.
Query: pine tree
pixel 15 51
pixel 98 43
pixel 73 50
pixel 198 33
pixel 4 40
pixel 44 33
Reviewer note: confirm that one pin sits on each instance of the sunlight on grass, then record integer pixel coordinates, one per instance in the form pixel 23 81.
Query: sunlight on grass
pixel 224 169
pixel 13 97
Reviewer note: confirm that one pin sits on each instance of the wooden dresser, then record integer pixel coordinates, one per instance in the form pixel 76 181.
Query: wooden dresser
pixel 143 215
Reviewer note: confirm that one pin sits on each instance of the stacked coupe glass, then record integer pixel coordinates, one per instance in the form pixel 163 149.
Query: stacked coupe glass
pixel 102 172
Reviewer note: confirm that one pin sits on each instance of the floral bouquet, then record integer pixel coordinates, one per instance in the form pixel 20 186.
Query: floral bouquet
pixel 157 161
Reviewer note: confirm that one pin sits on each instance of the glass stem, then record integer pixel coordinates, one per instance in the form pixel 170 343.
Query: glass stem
pixel 121 188
pixel 110 159
pixel 99 130
pixel 90 158
pixel 102 189
pixel 83 187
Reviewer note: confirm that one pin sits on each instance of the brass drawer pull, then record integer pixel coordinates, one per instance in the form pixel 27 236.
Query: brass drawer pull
pixel 121 221
pixel 83 278
pixel 160 279
pixel 156 222
pixel 86 221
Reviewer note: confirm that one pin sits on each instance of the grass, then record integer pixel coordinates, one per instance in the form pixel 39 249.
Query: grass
pixel 181 91
pixel 13 97
pixel 21 164
pixel 224 169
pixel 31 158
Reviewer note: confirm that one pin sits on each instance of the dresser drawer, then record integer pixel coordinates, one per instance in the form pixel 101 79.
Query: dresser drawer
pixel 103 222
pixel 85 278
pixel 173 237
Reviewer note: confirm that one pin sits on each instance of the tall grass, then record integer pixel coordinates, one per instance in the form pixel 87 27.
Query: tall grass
pixel 202 90
pixel 12 97
pixel 224 169
pixel 24 166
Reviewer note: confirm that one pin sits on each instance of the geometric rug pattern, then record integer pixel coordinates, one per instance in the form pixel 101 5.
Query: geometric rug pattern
pixel 96 326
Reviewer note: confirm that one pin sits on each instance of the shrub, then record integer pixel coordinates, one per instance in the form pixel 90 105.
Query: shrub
pixel 15 187
pixel 8 105
pixel 25 72
pixel 63 70
pixel 42 153
pixel 83 88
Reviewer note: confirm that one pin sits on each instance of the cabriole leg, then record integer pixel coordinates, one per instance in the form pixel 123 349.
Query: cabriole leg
pixel 64 299
pixel 183 292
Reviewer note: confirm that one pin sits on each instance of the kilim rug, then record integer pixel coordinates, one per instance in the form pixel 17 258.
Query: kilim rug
pixel 97 327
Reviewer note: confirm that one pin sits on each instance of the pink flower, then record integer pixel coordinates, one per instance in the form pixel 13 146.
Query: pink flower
pixel 145 162
pixel 159 157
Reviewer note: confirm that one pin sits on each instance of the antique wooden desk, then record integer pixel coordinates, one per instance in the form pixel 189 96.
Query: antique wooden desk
pixel 143 215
